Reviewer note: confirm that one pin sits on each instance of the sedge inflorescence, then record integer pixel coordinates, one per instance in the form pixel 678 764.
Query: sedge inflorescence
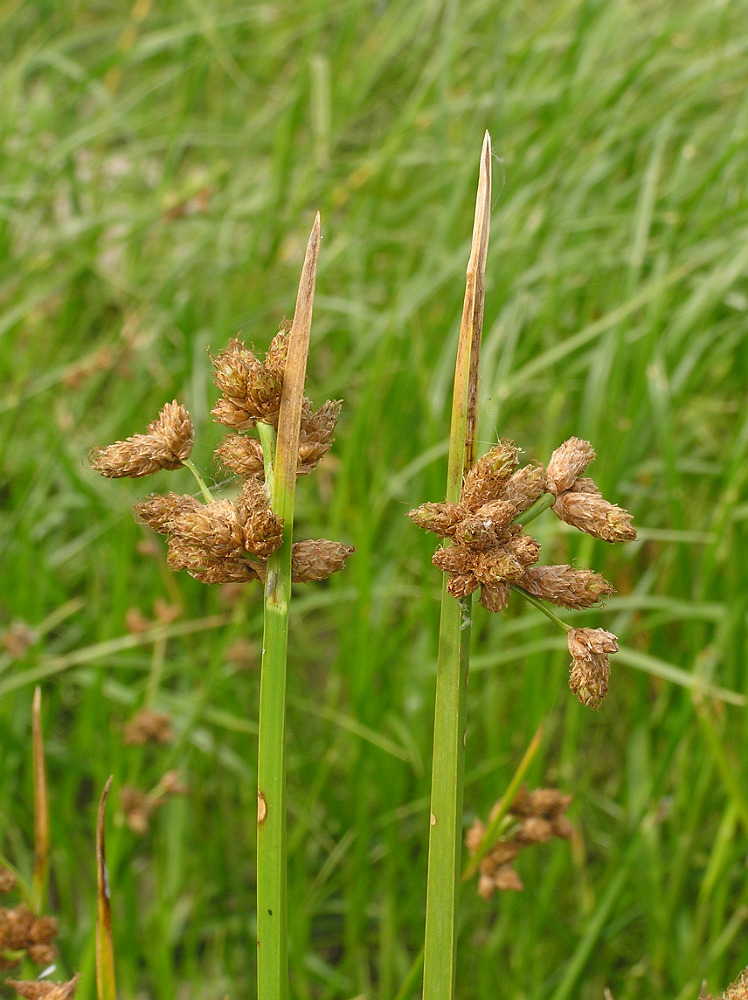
pixel 490 550
pixel 534 817
pixel 230 540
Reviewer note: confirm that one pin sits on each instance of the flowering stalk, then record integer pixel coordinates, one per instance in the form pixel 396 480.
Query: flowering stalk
pixel 272 923
pixel 250 538
pixel 445 837
pixel 485 548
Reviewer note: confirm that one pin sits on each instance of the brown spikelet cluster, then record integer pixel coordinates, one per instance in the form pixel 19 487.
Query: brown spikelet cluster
pixel 735 991
pixel 229 541
pixel 251 392
pixel 43 989
pixel 578 500
pixel 148 726
pixel 139 806
pixel 22 935
pixel 489 548
pixel 533 818
pixel 8 881
pixel 166 443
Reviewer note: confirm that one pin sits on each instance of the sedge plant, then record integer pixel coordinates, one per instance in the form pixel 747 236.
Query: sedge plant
pixel 250 538
pixel 485 547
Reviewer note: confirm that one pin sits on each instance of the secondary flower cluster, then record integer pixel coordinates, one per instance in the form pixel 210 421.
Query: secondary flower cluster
pixel 490 550
pixel 230 541
pixel 22 934
pixel 538 817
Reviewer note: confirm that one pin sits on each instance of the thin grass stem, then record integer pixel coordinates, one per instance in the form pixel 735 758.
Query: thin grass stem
pixel 531 599
pixel 189 464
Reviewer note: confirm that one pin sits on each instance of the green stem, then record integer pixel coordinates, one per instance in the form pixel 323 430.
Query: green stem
pixel 266 434
pixel 541 607
pixel 544 503
pixel 189 464
pixel 445 836
pixel 272 879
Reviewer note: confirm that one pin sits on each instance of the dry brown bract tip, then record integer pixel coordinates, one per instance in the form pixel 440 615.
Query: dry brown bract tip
pixel 590 650
pixel 166 443
pixel 43 989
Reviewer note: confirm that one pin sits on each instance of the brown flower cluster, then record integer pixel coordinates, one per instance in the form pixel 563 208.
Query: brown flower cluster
pixel 735 991
pixel 166 443
pixel 590 649
pixel 578 500
pixel 490 550
pixel 533 818
pixel 139 806
pixel 230 541
pixel 24 935
pixel 251 392
pixel 148 726
pixel 43 989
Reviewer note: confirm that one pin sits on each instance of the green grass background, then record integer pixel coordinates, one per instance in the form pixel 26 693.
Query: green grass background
pixel 160 172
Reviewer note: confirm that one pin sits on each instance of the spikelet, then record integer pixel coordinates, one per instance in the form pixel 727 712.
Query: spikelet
pixel 167 442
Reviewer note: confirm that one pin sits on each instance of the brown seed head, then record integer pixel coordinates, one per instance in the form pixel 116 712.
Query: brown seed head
pixel 8 880
pixel 251 389
pixel 215 526
pixel 148 726
pixel 167 442
pixel 461 584
pixel 138 809
pixel 158 511
pixel 477 533
pixel 590 667
pixel 317 558
pixel 231 413
pixel 232 368
pixel 567 463
pixel 570 588
pixel 498 513
pixel 263 531
pixel 242 455
pixel 441 518
pixel 535 830
pixel 43 989
pixel 317 435
pixel 495 597
pixel 204 566
pixel 487 477
pixel 277 353
pixel 524 487
pixel 591 513
pixel 496 566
